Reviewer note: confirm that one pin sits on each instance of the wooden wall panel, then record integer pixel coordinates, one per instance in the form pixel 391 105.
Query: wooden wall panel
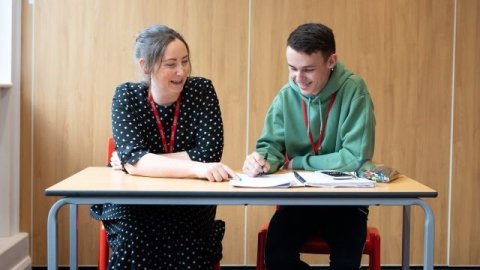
pixel 465 219
pixel 26 120
pixel 403 49
pixel 82 50
pixel 412 105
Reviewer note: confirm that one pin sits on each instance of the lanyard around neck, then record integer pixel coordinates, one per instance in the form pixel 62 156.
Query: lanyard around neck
pixel 316 146
pixel 161 131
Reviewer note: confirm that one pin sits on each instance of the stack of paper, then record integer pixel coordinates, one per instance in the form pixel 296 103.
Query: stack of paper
pixel 312 179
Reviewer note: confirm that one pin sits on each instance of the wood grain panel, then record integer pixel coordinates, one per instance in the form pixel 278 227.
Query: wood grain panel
pixel 407 66
pixel 465 220
pixel 72 92
pixel 26 120
pixel 403 50
pixel 83 49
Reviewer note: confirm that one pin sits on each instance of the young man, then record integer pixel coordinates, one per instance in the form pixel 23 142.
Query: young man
pixel 321 119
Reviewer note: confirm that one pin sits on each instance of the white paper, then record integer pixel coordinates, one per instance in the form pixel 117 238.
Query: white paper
pixel 313 179
pixel 268 180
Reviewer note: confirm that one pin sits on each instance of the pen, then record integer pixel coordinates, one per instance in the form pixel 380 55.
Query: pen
pixel 265 158
pixel 299 177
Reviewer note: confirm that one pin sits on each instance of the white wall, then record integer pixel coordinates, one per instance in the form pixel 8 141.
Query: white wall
pixel 5 41
pixel 10 134
pixel 14 251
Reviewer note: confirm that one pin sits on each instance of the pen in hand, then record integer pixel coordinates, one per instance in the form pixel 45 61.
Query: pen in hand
pixel 265 158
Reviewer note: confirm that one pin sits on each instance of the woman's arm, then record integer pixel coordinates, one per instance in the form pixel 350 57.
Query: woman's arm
pixel 178 165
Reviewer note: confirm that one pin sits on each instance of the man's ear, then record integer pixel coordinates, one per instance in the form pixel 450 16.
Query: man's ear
pixel 332 61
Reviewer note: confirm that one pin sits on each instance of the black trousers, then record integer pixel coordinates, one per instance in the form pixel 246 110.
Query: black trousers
pixel 343 227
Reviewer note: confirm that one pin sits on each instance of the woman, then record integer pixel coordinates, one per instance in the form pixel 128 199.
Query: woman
pixel 169 125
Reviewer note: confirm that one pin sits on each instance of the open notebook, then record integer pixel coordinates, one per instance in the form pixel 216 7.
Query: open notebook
pixel 285 180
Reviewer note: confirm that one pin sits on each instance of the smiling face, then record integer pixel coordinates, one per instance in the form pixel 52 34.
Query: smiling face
pixel 170 72
pixel 309 71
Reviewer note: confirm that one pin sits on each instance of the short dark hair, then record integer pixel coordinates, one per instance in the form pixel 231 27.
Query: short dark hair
pixel 152 42
pixel 312 37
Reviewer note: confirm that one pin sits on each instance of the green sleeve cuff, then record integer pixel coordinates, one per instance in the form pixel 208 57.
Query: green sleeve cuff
pixel 297 163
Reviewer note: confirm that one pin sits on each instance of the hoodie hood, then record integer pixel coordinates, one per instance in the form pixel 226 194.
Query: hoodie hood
pixel 321 101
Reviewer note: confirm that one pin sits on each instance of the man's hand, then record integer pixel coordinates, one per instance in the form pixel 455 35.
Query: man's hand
pixel 255 164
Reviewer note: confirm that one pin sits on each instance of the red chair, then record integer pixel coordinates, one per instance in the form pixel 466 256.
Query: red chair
pixel 103 249
pixel 317 245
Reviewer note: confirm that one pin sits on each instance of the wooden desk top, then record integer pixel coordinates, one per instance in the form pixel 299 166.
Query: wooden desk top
pixel 106 182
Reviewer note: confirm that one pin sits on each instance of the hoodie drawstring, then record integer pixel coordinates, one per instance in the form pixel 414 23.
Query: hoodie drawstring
pixel 323 122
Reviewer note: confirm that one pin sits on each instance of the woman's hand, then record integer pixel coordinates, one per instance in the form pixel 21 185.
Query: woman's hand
pixel 214 172
pixel 255 164
pixel 115 161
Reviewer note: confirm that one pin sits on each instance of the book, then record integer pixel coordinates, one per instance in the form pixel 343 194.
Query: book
pixel 318 179
pixel 298 179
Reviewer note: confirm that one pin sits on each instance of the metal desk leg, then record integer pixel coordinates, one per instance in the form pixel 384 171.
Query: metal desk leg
pixel 73 236
pixel 406 238
pixel 429 235
pixel 52 234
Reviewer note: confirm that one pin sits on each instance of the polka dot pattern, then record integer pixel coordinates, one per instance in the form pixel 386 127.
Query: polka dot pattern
pixel 199 131
pixel 161 237
pixel 164 237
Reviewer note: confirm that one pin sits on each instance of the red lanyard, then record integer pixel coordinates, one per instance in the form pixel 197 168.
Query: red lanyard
pixel 316 147
pixel 161 131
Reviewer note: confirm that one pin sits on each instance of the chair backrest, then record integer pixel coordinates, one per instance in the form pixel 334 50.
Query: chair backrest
pixel 110 149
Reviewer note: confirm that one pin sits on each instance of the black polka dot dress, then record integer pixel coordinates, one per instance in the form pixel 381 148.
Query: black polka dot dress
pixel 164 237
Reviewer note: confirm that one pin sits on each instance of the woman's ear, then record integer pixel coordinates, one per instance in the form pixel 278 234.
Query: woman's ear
pixel 141 64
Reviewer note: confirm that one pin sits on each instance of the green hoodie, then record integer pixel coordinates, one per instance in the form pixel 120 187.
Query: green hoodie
pixel 350 129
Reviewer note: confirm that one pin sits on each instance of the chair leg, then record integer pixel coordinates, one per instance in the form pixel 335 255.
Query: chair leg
pixel 102 249
pixel 262 240
pixel 374 259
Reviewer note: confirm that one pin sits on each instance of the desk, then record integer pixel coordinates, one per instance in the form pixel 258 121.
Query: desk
pixel 98 185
